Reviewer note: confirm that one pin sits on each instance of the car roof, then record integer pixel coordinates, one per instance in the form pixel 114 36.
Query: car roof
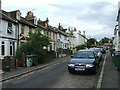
pixel 94 48
pixel 86 50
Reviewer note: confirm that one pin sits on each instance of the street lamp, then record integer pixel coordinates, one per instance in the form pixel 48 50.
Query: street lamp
pixel 44 47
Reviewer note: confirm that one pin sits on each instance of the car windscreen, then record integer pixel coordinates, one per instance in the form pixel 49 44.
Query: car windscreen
pixel 117 52
pixel 97 50
pixel 84 54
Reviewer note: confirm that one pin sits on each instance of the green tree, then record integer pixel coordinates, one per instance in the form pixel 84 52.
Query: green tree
pixel 24 48
pixel 105 40
pixel 34 44
pixel 91 42
pixel 80 47
pixel 38 41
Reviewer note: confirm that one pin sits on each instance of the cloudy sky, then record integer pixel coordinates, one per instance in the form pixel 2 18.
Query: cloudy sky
pixel 96 17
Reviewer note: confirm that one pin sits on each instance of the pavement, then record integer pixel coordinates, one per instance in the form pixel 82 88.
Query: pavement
pixel 13 73
pixel 109 76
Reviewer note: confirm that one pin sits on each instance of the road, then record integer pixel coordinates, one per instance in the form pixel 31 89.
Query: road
pixel 56 76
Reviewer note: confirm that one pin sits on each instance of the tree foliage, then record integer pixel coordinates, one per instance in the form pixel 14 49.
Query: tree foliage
pixel 79 47
pixel 24 48
pixel 91 42
pixel 34 44
pixel 105 40
pixel 38 41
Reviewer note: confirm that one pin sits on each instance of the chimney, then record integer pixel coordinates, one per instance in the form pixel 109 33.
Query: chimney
pixel 47 20
pixel 30 17
pixel 59 26
pixel 84 33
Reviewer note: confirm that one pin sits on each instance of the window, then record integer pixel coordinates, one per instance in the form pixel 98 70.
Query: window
pixel 59 35
pixel 119 33
pixel 3 48
pixel 12 48
pixel 46 24
pixel 49 34
pixel 53 35
pixel 9 28
pixel 18 15
pixel 22 29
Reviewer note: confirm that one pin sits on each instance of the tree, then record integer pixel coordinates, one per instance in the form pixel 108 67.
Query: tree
pixel 91 42
pixel 24 48
pixel 38 41
pixel 80 47
pixel 105 40
pixel 34 44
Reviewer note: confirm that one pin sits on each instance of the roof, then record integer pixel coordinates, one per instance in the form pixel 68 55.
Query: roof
pixel 86 50
pixel 6 16
pixel 62 32
pixel 41 26
pixel 53 29
pixel 24 21
pixel 11 16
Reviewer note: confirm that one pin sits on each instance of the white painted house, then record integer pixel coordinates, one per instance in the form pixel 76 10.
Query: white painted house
pixel 116 41
pixel 79 39
pixel 62 41
pixel 76 38
pixel 8 38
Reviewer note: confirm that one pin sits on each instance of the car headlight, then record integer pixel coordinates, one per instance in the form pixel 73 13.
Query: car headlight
pixel 98 54
pixel 71 65
pixel 89 65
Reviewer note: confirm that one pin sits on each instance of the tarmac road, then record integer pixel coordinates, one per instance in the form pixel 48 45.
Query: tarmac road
pixel 56 76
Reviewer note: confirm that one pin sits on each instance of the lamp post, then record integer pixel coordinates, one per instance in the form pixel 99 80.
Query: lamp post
pixel 44 47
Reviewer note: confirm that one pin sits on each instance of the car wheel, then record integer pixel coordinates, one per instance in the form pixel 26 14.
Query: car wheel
pixel 98 65
pixel 95 71
pixel 70 71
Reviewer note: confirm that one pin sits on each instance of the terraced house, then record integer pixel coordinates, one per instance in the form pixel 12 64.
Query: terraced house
pixel 116 41
pixel 62 41
pixel 50 32
pixel 8 34
pixel 15 30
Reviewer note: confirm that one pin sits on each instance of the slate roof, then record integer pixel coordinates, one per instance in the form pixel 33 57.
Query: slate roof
pixel 5 16
pixel 11 16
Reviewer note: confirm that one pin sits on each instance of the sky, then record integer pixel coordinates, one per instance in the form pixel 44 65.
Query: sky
pixel 96 17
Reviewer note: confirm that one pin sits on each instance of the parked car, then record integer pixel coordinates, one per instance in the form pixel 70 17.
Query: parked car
pixel 116 53
pixel 112 50
pixel 103 50
pixel 83 61
pixel 98 51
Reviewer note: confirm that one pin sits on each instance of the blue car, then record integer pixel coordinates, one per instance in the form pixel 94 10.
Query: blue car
pixel 83 61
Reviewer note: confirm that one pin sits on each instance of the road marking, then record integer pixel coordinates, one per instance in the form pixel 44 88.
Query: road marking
pixel 101 75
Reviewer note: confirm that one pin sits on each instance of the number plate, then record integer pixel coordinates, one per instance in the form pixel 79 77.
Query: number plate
pixel 81 68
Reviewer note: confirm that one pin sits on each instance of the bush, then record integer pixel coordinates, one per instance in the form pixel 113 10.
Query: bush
pixel 80 47
pixel 24 48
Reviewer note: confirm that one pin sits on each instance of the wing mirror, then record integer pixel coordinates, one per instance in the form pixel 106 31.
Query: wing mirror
pixel 72 56
pixel 96 56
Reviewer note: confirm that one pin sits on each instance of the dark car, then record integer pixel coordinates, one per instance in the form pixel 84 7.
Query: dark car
pixel 116 53
pixel 112 50
pixel 83 61
pixel 103 50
